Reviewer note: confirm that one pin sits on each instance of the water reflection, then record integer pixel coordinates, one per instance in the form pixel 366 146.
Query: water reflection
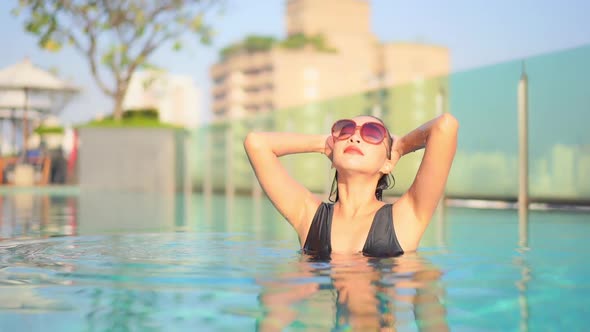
pixel 25 215
pixel 203 266
pixel 521 263
pixel 356 293
pixel 28 215
pixel 121 212
pixel 522 286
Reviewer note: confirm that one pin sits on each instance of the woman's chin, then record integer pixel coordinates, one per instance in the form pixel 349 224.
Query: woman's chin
pixel 353 166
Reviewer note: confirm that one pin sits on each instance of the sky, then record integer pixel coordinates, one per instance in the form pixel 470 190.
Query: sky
pixel 477 33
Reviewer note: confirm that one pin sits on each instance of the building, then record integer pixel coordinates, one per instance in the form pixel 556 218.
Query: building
pixel 175 97
pixel 330 51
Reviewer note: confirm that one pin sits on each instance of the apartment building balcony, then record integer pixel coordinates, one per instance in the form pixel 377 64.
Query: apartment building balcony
pixel 218 72
pixel 219 90
pixel 258 96
pixel 259 81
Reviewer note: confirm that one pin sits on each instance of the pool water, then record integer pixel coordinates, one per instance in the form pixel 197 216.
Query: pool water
pixel 131 262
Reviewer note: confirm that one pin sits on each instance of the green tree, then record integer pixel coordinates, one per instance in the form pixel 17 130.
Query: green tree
pixel 118 36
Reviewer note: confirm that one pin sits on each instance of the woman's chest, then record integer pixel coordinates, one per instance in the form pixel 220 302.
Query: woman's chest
pixel 349 236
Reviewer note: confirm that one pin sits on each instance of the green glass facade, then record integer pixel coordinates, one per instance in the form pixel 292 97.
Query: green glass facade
pixel 484 101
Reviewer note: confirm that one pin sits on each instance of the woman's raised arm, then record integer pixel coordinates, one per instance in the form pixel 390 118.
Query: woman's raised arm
pixel 439 138
pixel 295 202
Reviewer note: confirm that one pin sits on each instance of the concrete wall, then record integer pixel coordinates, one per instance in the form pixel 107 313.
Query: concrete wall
pixel 133 159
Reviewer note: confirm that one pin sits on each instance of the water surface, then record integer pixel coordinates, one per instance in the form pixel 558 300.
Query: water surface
pixel 131 262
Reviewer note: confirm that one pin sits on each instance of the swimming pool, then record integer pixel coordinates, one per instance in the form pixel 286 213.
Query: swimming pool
pixel 151 263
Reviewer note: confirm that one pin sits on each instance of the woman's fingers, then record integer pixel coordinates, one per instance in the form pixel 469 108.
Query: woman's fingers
pixel 329 147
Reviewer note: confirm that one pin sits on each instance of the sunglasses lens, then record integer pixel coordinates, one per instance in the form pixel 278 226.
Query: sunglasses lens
pixel 343 129
pixel 373 133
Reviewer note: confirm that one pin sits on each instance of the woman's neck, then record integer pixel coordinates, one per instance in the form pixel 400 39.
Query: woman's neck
pixel 356 194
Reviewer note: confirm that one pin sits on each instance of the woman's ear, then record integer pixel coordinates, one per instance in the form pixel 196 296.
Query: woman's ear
pixel 387 167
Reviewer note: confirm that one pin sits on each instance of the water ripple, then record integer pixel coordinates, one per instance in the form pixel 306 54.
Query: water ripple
pixel 222 281
pixel 222 274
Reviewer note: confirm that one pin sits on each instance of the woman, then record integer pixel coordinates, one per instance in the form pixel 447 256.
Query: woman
pixel 364 154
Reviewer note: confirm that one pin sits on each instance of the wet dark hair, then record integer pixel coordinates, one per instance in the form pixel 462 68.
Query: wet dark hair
pixel 386 181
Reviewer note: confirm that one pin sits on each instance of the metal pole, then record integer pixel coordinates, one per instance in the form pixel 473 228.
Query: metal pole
pixel 440 211
pixel 230 169
pixel 523 162
pixel 256 188
pixel 13 132
pixel 25 125
pixel 207 174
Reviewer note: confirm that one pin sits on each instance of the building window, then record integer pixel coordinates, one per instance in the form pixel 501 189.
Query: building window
pixel 221 112
pixel 220 79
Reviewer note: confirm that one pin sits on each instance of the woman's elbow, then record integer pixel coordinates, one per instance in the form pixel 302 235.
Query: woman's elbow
pixel 448 123
pixel 252 141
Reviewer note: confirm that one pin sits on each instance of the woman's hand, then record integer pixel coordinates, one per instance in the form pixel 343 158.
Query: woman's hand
pixel 329 146
pixel 396 149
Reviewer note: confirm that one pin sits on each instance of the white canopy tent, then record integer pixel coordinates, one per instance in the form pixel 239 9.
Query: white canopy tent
pixel 12 114
pixel 25 87
pixel 15 100
pixel 25 75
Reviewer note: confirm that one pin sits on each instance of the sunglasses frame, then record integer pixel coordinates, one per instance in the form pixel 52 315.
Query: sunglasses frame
pixel 382 129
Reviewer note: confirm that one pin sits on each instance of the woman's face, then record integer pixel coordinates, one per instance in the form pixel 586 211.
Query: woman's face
pixel 356 154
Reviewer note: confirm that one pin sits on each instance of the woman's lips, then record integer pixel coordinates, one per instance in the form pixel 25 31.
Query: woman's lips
pixel 353 149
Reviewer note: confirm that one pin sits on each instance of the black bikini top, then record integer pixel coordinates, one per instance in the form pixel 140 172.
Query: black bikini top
pixel 381 240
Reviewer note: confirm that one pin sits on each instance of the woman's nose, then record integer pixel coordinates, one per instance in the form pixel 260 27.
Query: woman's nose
pixel 355 137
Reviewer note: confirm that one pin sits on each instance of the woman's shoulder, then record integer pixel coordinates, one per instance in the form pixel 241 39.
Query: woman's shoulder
pixel 315 213
pixel 324 206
